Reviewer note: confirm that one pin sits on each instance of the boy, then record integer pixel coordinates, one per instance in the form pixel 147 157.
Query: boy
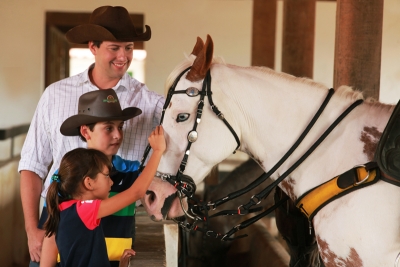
pixel 99 122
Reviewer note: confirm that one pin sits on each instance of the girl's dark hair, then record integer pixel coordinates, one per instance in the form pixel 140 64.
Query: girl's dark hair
pixel 74 167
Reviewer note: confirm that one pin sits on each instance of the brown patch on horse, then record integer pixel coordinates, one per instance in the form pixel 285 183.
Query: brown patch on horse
pixel 370 137
pixel 202 62
pixel 170 104
pixel 287 186
pixel 332 260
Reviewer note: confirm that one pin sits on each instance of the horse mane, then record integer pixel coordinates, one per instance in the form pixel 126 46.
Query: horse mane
pixel 343 91
pixel 262 72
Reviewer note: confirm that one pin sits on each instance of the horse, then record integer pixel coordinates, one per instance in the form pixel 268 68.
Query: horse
pixel 262 113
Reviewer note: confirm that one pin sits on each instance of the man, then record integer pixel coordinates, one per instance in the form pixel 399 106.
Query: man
pixel 110 34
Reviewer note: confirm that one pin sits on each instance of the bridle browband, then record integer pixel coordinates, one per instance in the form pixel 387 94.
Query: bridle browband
pixel 184 184
pixel 186 187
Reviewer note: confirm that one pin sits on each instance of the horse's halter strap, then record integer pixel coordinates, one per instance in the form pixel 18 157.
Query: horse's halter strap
pixel 185 184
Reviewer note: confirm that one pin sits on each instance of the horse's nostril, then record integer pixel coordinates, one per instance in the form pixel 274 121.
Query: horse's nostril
pixel 152 196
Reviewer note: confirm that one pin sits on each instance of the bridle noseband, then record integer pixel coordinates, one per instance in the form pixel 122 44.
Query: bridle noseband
pixel 183 183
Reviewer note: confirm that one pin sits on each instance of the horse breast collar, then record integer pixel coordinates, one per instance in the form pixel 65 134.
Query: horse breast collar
pixel 315 199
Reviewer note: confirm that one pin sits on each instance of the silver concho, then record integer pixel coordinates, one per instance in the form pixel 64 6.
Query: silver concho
pixel 192 136
pixel 192 91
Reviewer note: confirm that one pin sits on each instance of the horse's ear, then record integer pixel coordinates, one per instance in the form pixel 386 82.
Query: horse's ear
pixel 198 46
pixel 202 62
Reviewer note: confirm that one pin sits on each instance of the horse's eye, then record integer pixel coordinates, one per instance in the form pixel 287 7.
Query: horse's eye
pixel 182 117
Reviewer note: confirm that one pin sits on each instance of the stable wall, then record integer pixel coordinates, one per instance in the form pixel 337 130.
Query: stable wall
pixel 175 25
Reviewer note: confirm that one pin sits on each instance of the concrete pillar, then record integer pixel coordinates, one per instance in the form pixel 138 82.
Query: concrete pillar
pixel 263 35
pixel 358 45
pixel 298 37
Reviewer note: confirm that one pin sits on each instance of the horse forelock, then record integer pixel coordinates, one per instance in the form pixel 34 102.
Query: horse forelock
pixel 182 66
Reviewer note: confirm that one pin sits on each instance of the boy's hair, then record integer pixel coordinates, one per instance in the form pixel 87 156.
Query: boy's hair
pixel 74 167
pixel 91 127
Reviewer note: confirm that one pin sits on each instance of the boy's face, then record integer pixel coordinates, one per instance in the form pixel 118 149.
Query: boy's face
pixel 112 59
pixel 106 136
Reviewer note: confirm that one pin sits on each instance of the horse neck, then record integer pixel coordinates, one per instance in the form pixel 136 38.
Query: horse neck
pixel 274 114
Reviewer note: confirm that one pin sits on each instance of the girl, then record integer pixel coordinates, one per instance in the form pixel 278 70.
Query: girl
pixel 79 199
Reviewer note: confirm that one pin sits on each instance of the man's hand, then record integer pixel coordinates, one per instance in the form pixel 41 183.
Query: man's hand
pixel 35 241
pixel 31 187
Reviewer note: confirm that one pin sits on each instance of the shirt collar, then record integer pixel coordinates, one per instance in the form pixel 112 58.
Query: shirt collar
pixel 83 78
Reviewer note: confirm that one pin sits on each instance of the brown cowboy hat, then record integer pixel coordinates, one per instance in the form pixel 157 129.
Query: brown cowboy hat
pixel 97 106
pixel 108 23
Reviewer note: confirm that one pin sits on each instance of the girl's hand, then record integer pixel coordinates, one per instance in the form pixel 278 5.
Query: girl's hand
pixel 126 257
pixel 157 139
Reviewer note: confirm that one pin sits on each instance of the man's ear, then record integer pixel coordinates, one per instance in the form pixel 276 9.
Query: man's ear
pixel 92 47
pixel 85 132
pixel 88 183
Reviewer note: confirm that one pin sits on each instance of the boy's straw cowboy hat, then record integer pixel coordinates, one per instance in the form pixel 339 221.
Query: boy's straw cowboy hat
pixel 97 106
pixel 108 23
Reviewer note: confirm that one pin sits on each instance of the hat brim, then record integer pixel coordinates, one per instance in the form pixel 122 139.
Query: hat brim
pixel 71 126
pixel 82 34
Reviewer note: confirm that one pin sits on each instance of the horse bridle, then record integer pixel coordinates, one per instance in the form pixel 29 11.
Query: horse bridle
pixel 186 187
pixel 184 184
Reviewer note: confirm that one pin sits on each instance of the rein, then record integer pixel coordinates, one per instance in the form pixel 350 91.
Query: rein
pixel 186 187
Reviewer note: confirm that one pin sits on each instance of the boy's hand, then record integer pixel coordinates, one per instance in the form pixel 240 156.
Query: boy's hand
pixel 126 257
pixel 157 139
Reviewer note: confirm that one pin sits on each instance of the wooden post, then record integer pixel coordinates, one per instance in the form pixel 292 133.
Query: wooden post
pixel 358 45
pixel 298 37
pixel 263 36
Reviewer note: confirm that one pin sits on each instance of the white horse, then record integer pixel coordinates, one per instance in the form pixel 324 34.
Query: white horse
pixel 268 111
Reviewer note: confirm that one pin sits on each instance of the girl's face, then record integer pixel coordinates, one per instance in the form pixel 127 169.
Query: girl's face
pixel 106 136
pixel 102 184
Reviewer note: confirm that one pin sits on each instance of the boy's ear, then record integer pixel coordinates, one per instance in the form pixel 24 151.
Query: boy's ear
pixel 88 183
pixel 85 132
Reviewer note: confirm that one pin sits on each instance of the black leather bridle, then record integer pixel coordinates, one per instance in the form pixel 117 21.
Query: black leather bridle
pixel 183 183
pixel 186 187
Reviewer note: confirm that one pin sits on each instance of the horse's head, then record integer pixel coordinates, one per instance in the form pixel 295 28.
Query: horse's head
pixel 195 136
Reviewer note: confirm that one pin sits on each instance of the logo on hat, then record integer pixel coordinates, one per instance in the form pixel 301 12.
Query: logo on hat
pixel 110 99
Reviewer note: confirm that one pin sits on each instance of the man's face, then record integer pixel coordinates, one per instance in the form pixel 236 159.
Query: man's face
pixel 112 59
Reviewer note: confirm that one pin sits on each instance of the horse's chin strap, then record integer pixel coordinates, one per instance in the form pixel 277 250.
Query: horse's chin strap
pixel 183 183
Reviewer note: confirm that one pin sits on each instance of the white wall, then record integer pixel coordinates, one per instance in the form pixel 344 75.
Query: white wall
pixel 175 25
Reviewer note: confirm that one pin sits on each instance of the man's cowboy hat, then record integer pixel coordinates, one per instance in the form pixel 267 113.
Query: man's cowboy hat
pixel 108 23
pixel 96 106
